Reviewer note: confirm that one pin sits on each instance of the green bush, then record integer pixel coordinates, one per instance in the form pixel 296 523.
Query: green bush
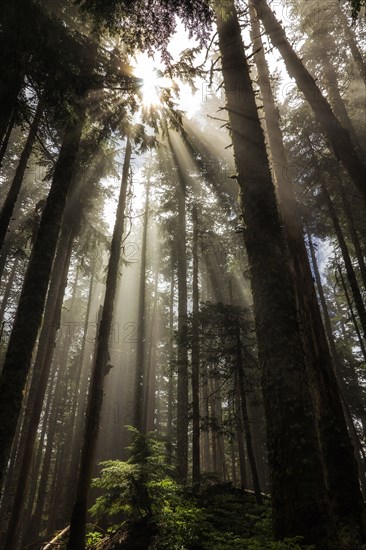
pixel 220 517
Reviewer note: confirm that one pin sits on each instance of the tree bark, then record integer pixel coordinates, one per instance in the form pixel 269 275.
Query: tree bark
pixel 9 285
pixel 169 428
pixel 240 439
pixel 196 453
pixel 6 137
pixel 141 330
pixel 150 386
pixel 182 359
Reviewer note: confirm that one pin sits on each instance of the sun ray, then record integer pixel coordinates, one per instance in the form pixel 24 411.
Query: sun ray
pixel 148 70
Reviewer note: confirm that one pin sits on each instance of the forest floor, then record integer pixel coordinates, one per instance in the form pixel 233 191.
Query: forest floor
pixel 219 518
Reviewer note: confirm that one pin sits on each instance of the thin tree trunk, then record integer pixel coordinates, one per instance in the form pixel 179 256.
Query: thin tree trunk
pixel 213 432
pixel 246 424
pixel 78 519
pixel 351 275
pixel 141 330
pixel 329 331
pixel 35 525
pixel 234 478
pixel 150 386
pixel 240 439
pixel 57 483
pixel 205 414
pixel 12 196
pixel 182 360
pixel 337 136
pixel 331 85
pixel 196 452
pixel 7 245
pixel 9 285
pixel 353 233
pixel 35 489
pixel 351 311
pixel 31 303
pixel 6 137
pixel 72 464
pixel 218 437
pixel 9 92
pixel 169 430
pixel 299 497
pixel 348 33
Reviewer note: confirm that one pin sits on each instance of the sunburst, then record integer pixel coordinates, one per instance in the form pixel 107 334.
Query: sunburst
pixel 153 81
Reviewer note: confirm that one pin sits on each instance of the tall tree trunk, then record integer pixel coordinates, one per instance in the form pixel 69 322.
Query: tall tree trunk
pixel 353 233
pixel 299 497
pixel 141 330
pixel 351 275
pixel 240 439
pixel 169 428
pixel 246 423
pixel 39 381
pixel 150 386
pixel 205 413
pixel 35 525
pixel 9 285
pixel 43 375
pixel 12 196
pixel 234 477
pixel 329 331
pixel 338 137
pixel 7 245
pixel 182 360
pixel 196 453
pixel 344 493
pixel 6 137
pixel 361 339
pixel 350 38
pixel 31 303
pixel 78 519
pixel 333 92
pixel 72 464
pixel 10 88
pixel 31 526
